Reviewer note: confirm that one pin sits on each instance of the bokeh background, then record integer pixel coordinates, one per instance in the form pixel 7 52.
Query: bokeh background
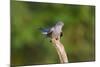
pixel 30 47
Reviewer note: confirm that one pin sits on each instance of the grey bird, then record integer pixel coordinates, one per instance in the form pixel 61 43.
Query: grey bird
pixel 55 31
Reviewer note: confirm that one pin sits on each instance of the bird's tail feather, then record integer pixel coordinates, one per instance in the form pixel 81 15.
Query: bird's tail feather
pixel 44 31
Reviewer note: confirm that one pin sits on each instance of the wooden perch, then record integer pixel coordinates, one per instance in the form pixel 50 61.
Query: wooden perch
pixel 60 50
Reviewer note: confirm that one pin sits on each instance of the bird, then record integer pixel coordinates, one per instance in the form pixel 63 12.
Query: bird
pixel 54 31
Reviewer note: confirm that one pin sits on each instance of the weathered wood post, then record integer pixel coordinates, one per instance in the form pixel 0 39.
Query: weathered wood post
pixel 60 50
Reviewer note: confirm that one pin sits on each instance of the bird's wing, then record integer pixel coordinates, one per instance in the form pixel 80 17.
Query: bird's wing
pixel 61 34
pixel 50 32
pixel 52 29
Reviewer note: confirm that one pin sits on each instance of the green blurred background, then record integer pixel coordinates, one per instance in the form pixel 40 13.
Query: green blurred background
pixel 30 47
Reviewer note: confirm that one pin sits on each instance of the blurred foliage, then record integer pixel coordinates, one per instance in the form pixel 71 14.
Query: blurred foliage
pixel 29 46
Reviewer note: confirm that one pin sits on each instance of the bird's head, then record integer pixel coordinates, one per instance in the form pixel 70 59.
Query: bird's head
pixel 60 23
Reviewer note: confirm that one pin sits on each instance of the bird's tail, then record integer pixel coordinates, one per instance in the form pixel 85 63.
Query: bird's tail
pixel 44 31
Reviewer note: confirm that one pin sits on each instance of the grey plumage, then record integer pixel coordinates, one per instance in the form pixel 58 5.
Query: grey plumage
pixel 55 31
